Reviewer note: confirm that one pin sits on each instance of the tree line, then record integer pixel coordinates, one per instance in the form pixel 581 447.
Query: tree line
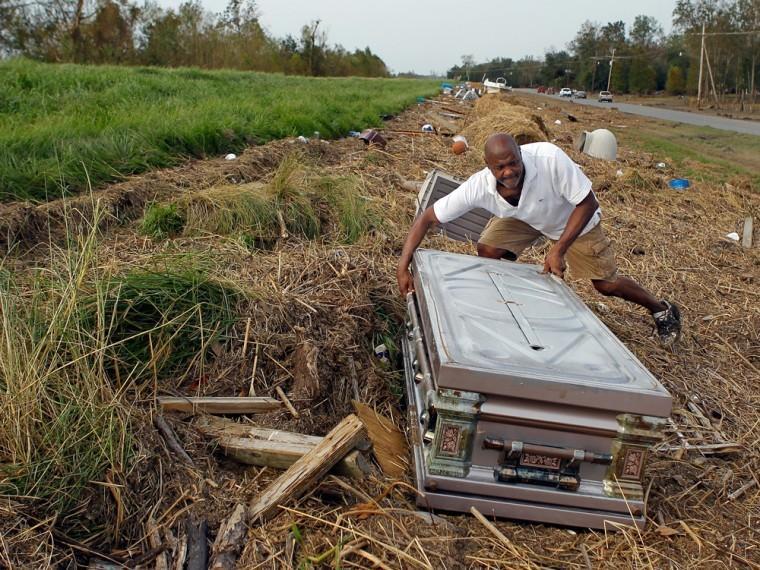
pixel 123 32
pixel 644 59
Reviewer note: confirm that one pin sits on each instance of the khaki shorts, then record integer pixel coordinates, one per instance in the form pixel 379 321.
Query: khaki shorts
pixel 590 256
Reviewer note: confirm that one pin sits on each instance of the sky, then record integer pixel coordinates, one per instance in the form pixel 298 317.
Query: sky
pixel 432 35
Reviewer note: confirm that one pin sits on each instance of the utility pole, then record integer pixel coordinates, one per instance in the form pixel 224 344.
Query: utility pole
pixel 701 59
pixel 609 77
pixel 593 76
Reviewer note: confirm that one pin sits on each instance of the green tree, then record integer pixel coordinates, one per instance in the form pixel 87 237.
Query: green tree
pixel 642 77
pixel 676 83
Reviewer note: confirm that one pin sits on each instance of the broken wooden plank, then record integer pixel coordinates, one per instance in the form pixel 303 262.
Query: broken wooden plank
pixel 219 405
pixel 309 469
pixel 389 444
pixel 229 540
pixel 274 448
pixel 747 233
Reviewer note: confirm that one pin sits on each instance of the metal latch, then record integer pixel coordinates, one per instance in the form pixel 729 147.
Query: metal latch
pixel 541 464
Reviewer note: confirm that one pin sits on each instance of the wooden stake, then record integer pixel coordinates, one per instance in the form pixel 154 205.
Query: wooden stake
pixel 747 233
pixel 247 332
pixel 286 401
pixel 219 405
pixel 168 434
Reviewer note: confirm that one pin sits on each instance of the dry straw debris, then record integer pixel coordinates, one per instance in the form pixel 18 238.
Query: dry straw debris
pixel 341 300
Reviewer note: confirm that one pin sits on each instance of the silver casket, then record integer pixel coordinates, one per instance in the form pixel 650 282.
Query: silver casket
pixel 522 403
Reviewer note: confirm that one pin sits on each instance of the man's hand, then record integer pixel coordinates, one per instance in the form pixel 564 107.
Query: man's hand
pixel 555 262
pixel 405 282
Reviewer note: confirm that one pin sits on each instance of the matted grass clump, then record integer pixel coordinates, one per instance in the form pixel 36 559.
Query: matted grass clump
pixel 162 321
pixel 297 200
pixel 65 127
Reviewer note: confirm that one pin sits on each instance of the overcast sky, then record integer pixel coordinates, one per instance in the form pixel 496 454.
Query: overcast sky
pixel 432 35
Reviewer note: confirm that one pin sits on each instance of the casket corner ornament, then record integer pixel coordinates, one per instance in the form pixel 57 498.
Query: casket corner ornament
pixel 636 435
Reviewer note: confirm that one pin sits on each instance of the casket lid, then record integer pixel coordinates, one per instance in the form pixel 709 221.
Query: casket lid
pixel 506 329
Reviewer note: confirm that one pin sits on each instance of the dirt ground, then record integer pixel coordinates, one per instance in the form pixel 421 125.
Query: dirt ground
pixel 703 507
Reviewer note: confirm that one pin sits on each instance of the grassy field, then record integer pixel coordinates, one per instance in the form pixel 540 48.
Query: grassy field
pixel 700 153
pixel 66 127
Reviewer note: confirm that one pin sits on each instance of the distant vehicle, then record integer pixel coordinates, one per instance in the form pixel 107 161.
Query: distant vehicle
pixel 496 86
pixel 580 94
pixel 565 92
pixel 605 97
pixel 550 90
pixel 541 89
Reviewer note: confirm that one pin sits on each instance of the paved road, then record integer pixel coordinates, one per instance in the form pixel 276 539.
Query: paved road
pixel 736 125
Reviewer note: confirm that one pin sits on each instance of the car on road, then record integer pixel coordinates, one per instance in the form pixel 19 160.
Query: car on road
pixel 565 92
pixel 605 97
pixel 580 94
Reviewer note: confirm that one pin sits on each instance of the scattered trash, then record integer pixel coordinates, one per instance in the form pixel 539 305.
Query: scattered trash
pixel 557 122
pixel 302 139
pixel 733 236
pixel 381 352
pixel 372 137
pixel 661 165
pixel 571 118
pixel 460 144
pixel 618 173
pixel 231 156
pixel 316 135
pixel 428 128
pixel 679 184
pixel 420 99
pixel 354 134
pixel 600 143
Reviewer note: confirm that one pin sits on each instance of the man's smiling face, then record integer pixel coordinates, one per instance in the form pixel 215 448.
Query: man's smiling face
pixel 504 160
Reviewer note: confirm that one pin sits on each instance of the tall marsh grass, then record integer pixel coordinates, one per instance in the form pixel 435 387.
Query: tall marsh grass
pixel 74 340
pixel 61 122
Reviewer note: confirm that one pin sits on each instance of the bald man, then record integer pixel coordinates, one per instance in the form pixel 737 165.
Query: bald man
pixel 536 191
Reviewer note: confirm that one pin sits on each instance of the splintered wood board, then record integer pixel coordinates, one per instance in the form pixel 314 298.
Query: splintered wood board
pixel 306 472
pixel 389 444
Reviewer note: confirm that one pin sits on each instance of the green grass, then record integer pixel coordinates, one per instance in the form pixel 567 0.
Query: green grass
pixel 64 125
pixel 698 153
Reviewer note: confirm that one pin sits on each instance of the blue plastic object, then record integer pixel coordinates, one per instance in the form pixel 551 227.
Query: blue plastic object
pixel 679 184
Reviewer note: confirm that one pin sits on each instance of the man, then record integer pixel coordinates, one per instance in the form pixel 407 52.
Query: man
pixel 533 191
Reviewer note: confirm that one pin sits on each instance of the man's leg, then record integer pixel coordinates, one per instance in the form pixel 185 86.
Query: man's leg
pixel 506 238
pixel 591 256
pixel 626 288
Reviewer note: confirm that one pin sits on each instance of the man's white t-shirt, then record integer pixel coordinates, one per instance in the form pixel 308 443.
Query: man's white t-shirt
pixel 552 187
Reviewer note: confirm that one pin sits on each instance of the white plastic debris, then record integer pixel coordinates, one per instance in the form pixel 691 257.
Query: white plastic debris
pixel 733 236
pixel 231 156
pixel 661 165
pixel 428 128
pixel 619 173
pixel 302 139
pixel 557 122
pixel 381 352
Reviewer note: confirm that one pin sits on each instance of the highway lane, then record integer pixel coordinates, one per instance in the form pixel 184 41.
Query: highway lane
pixel 699 119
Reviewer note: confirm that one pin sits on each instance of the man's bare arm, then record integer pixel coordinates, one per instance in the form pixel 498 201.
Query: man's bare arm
pixel 555 258
pixel 413 239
